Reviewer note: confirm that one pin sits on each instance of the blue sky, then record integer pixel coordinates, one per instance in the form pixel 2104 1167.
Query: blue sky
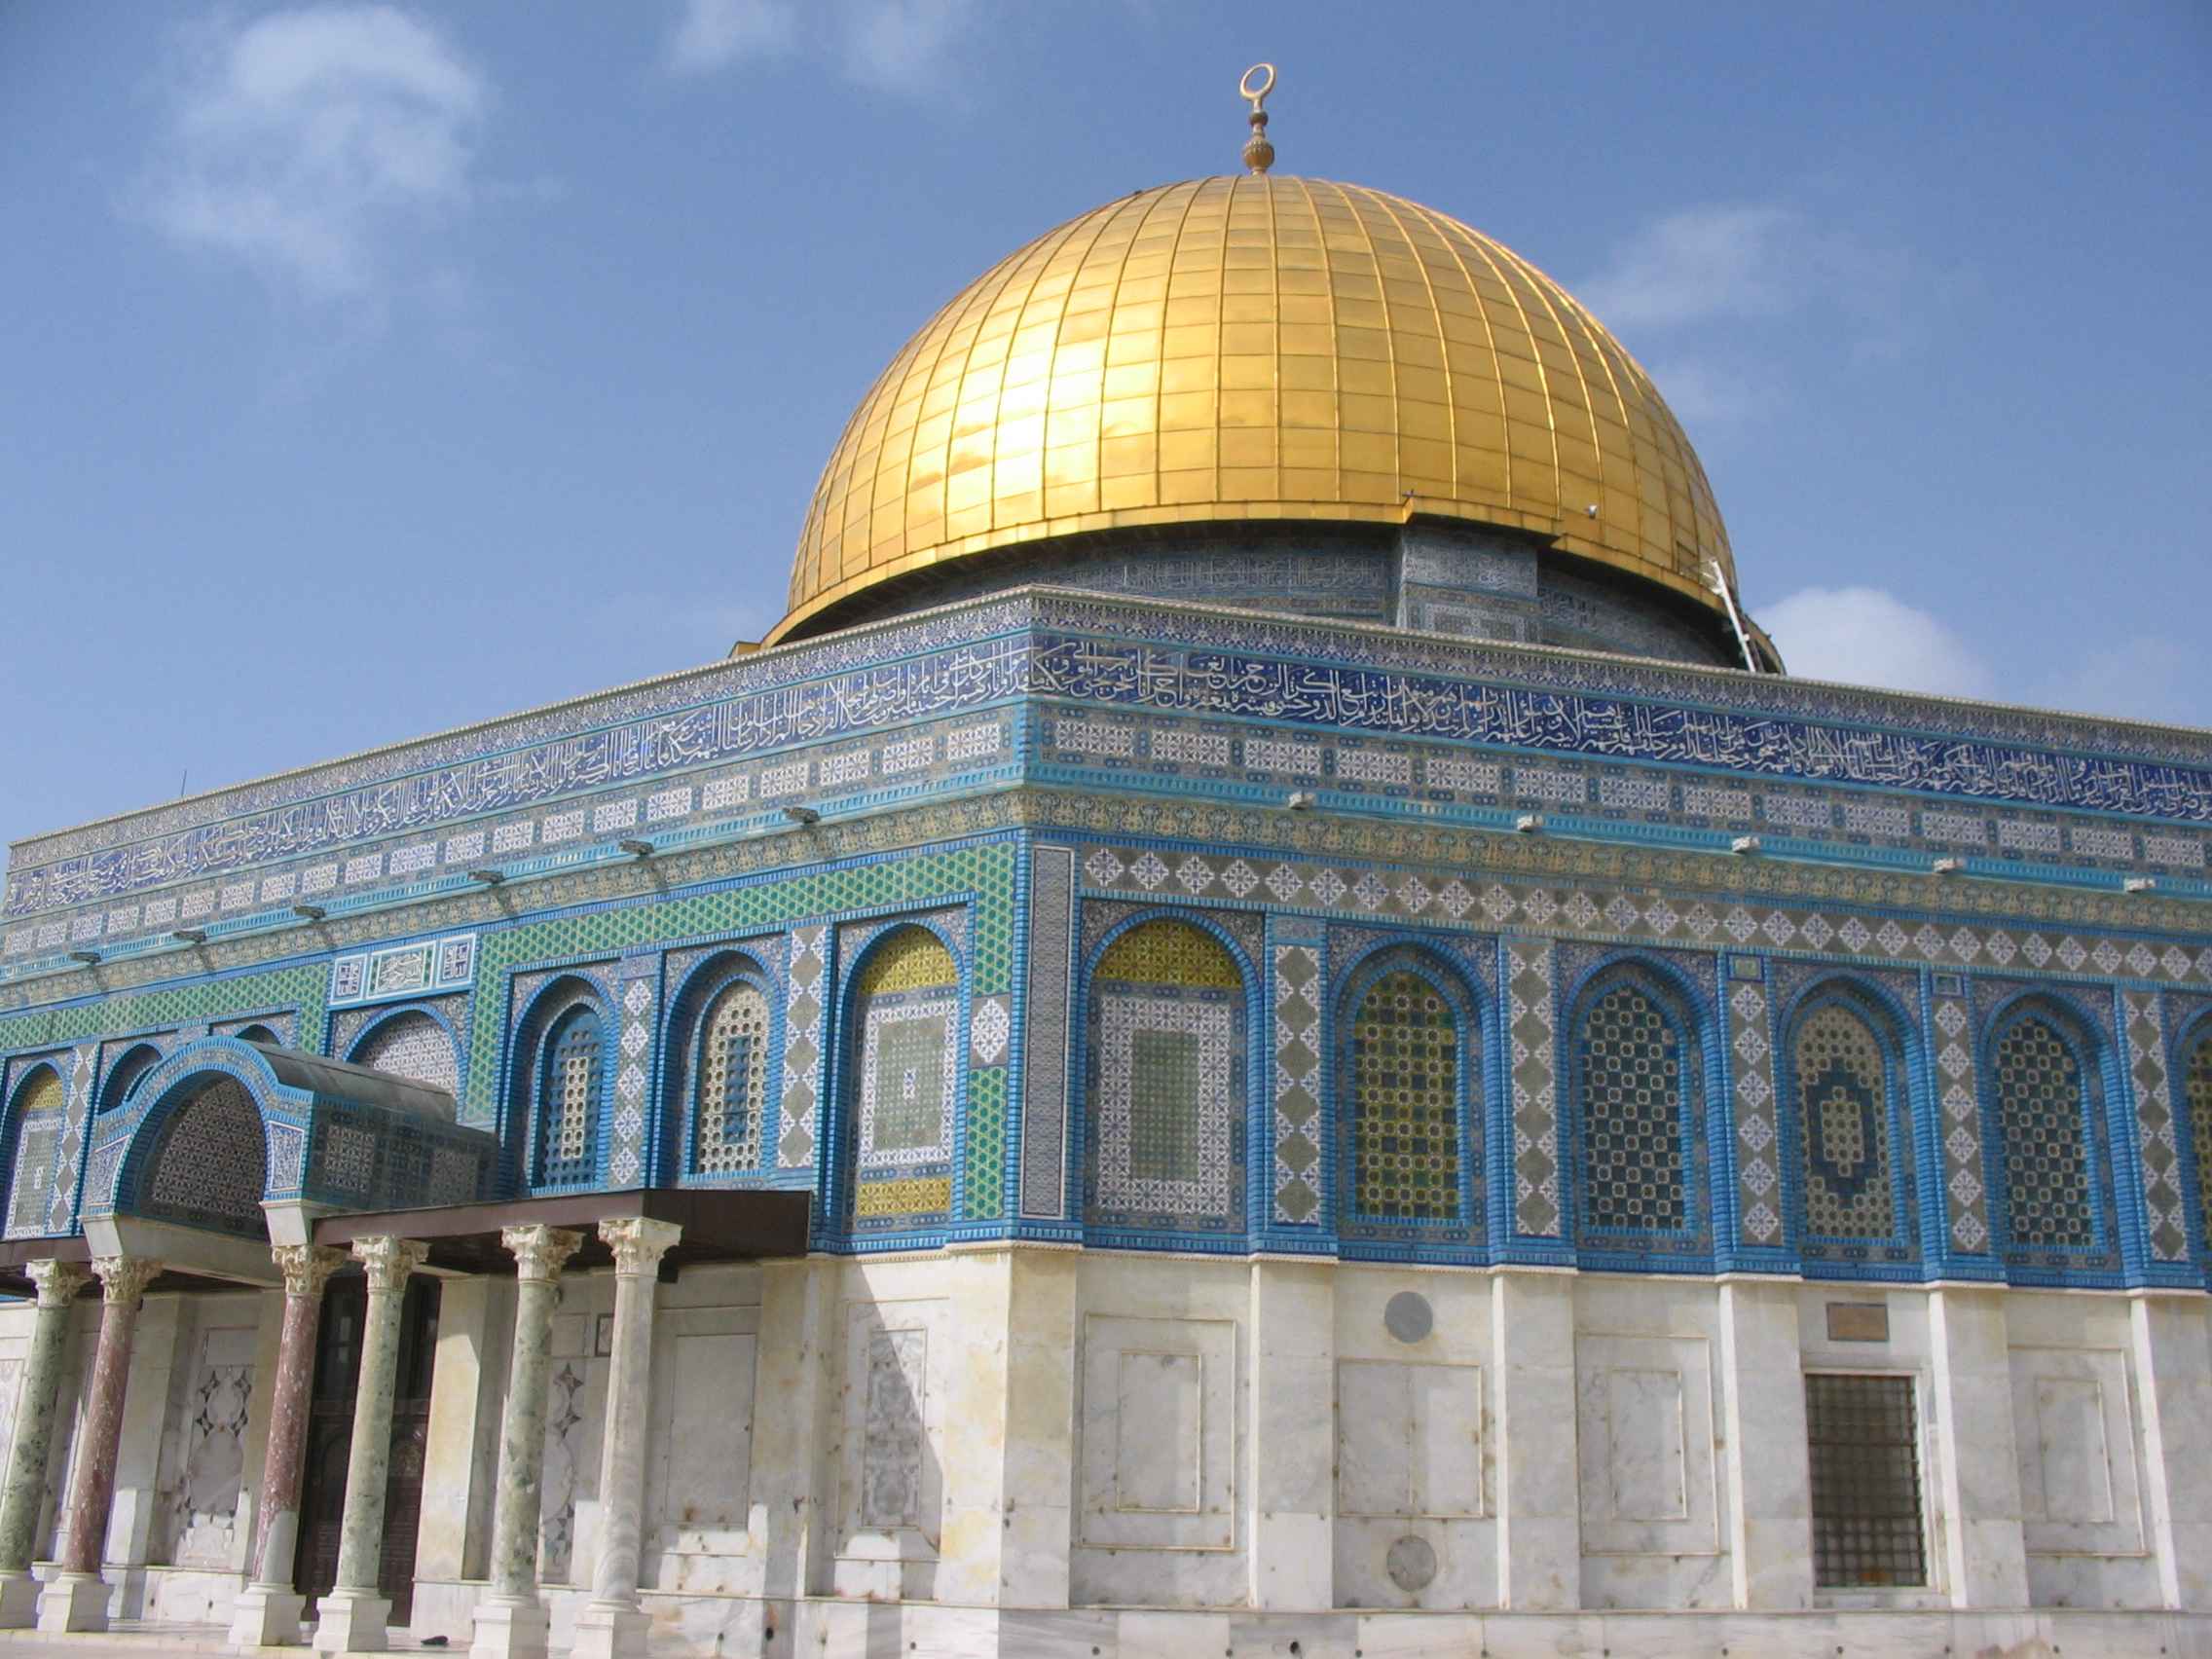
pixel 373 369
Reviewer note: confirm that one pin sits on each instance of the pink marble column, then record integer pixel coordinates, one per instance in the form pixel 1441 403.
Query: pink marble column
pixel 267 1609
pixel 77 1597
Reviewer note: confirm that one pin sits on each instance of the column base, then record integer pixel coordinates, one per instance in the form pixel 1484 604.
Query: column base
pixel 19 1599
pixel 509 1628
pixel 352 1621
pixel 267 1615
pixel 610 1629
pixel 73 1600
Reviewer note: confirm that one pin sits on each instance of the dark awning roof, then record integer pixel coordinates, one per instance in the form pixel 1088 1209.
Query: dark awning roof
pixel 719 1224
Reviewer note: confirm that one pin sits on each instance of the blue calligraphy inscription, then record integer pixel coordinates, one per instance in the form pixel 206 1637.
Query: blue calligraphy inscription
pixel 1434 706
pixel 869 699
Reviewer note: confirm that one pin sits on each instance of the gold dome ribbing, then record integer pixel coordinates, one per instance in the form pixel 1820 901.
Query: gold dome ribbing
pixel 1257 348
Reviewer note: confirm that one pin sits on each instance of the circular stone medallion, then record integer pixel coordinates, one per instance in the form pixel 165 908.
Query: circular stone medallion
pixel 1408 1317
pixel 1411 1563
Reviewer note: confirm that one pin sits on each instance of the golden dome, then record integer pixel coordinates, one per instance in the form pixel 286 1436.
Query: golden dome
pixel 1257 348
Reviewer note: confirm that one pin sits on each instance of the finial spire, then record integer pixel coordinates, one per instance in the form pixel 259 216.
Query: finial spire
pixel 1258 82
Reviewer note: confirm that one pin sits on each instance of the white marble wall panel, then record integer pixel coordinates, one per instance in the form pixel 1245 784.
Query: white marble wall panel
pixel 699 1461
pixel 890 1448
pixel 204 1463
pixel 2074 1433
pixel 1158 1433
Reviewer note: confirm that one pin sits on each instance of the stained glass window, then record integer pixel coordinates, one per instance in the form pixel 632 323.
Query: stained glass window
pixel 1166 1036
pixel 1405 1102
pixel 1633 1075
pixel 733 1069
pixel 567 1102
pixel 1843 1106
pixel 2040 1101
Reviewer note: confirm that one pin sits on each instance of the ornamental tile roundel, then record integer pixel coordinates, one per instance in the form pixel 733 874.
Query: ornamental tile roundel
pixel 904 1080
pixel 1166 1034
pixel 1405 1107
pixel 2047 1164
pixel 1633 1075
pixel 1842 1077
pixel 733 1070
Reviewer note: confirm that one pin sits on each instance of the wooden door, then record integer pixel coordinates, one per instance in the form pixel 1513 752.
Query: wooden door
pixel 330 1438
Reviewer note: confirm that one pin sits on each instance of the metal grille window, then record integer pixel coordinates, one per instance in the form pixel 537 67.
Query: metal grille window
pixel 734 1063
pixel 1865 1462
pixel 567 1110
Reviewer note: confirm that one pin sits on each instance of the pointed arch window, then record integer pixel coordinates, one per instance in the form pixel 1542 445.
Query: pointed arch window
pixel 902 1082
pixel 1165 1035
pixel 2042 1098
pixel 413 1046
pixel 1406 1054
pixel 1840 1068
pixel 39 1116
pixel 732 1082
pixel 567 1100
pixel 1637 1072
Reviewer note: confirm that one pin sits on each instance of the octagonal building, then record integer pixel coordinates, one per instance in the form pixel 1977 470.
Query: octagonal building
pixel 1262 1025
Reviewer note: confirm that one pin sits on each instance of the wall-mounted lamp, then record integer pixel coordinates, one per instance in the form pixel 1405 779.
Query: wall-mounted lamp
pixel 1743 844
pixel 1301 801
pixel 2140 884
pixel 637 849
pixel 1528 823
pixel 802 815
pixel 190 936
pixel 1948 867
pixel 90 958
pixel 310 912
pixel 489 878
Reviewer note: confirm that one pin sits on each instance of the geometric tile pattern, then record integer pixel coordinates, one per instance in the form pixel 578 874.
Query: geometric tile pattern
pixel 2038 1083
pixel 2165 1217
pixel 1165 1026
pixel 1965 1198
pixel 1843 1104
pixel 1297 996
pixel 2197 1084
pixel 413 1046
pixel 69 1154
pixel 1530 1027
pixel 734 1076
pixel 207 1168
pixel 803 1007
pixel 636 1000
pixel 1600 909
pixel 1631 1062
pixel 1405 1046
pixel 1759 1185
pixel 1047 1033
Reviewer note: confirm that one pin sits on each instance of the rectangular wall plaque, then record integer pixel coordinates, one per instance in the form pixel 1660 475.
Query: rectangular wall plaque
pixel 1859 1321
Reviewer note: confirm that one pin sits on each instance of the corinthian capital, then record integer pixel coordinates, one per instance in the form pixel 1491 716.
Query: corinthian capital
pixel 57 1282
pixel 639 1244
pixel 541 1252
pixel 388 1261
pixel 307 1267
pixel 125 1279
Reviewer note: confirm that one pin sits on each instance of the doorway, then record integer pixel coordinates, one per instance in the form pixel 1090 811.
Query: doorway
pixel 330 1439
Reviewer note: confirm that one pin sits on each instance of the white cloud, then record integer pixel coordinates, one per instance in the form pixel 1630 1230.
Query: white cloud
pixel 302 142
pixel 714 34
pixel 903 46
pixel 1862 635
pixel 1701 263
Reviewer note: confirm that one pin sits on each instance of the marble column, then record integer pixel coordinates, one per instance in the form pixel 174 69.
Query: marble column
pixel 77 1598
pixel 1765 1463
pixel 1294 1348
pixel 611 1625
pixel 2173 1380
pixel 267 1609
pixel 351 1618
pixel 25 1495
pixel 511 1621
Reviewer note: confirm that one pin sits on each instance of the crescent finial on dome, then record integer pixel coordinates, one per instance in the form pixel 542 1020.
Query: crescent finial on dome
pixel 1259 153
